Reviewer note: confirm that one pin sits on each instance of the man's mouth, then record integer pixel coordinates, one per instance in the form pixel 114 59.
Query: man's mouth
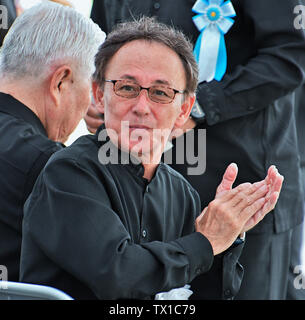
pixel 139 126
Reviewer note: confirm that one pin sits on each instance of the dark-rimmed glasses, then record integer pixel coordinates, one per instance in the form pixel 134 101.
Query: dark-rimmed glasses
pixel 157 93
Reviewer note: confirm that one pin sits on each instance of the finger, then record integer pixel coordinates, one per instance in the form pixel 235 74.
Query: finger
pixel 93 124
pixel 93 111
pixel 276 186
pixel 261 213
pixel 271 175
pixel 228 179
pixel 272 171
pixel 247 199
pixel 270 203
pixel 250 211
pixel 249 188
pixel 230 194
pixel 198 219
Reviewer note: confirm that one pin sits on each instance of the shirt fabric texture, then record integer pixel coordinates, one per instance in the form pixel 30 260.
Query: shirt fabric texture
pixel 103 231
pixel 24 150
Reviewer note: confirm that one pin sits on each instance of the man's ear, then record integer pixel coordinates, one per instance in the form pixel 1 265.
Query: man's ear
pixel 186 109
pixel 98 95
pixel 60 81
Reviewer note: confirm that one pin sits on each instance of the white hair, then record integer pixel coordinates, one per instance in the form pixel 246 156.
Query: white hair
pixel 47 35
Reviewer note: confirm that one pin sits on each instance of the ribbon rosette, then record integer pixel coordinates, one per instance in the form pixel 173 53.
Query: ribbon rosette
pixel 213 20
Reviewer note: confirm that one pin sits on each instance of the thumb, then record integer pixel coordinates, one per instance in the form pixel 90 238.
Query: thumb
pixel 228 179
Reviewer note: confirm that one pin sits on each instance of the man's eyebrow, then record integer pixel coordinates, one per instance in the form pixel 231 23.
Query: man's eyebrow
pixel 128 77
pixel 159 81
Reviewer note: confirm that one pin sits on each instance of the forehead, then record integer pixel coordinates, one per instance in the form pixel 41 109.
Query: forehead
pixel 147 61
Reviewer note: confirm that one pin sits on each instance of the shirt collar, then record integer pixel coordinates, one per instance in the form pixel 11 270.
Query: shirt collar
pixel 10 105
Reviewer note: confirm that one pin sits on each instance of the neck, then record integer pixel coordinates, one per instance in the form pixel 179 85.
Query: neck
pixel 150 164
pixel 34 98
pixel 149 170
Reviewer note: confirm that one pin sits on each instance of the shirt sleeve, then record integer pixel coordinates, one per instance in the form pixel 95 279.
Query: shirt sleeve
pixel 71 221
pixel 224 278
pixel 276 70
pixel 38 165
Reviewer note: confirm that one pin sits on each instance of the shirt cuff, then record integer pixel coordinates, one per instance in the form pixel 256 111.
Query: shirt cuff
pixel 199 251
pixel 211 99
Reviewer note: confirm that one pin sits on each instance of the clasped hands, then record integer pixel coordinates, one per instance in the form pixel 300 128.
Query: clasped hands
pixel 237 210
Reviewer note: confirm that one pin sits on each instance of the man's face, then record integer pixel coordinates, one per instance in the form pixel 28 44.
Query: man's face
pixel 142 126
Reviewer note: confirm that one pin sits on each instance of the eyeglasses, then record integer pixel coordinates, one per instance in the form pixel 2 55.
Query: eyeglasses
pixel 158 93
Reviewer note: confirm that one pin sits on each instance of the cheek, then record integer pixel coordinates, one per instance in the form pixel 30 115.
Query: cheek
pixel 85 100
pixel 115 111
pixel 167 116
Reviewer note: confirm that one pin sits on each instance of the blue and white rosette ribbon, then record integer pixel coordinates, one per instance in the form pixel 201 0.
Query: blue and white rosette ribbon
pixel 213 20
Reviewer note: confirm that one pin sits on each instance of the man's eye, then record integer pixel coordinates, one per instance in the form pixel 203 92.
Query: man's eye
pixel 127 88
pixel 160 93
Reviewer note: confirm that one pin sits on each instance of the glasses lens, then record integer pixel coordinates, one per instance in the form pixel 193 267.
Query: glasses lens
pixel 126 89
pixel 161 94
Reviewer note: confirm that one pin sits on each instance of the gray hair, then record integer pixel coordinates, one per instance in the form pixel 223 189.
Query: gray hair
pixel 49 34
pixel 148 29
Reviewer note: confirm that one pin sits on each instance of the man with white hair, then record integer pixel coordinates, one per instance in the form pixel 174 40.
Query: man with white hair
pixel 46 63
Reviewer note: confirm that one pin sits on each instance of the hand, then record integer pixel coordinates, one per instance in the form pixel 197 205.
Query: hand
pixel 274 182
pixel 93 118
pixel 238 209
pixel 224 218
pixel 228 179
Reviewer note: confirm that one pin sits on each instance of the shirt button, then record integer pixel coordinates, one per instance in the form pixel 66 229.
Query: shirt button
pixel 215 116
pixel 228 294
pixel 144 233
pixel 157 5
pixel 198 271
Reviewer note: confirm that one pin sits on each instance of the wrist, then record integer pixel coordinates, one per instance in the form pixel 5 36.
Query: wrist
pixel 240 239
pixel 197 113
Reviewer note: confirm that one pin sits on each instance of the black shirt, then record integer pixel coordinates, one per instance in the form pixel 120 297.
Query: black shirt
pixel 103 231
pixel 24 150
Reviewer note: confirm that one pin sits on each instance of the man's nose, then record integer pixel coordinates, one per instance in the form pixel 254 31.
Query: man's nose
pixel 142 103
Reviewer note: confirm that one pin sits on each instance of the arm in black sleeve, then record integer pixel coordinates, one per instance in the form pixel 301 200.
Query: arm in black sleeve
pixel 70 218
pixel 223 280
pixel 276 68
